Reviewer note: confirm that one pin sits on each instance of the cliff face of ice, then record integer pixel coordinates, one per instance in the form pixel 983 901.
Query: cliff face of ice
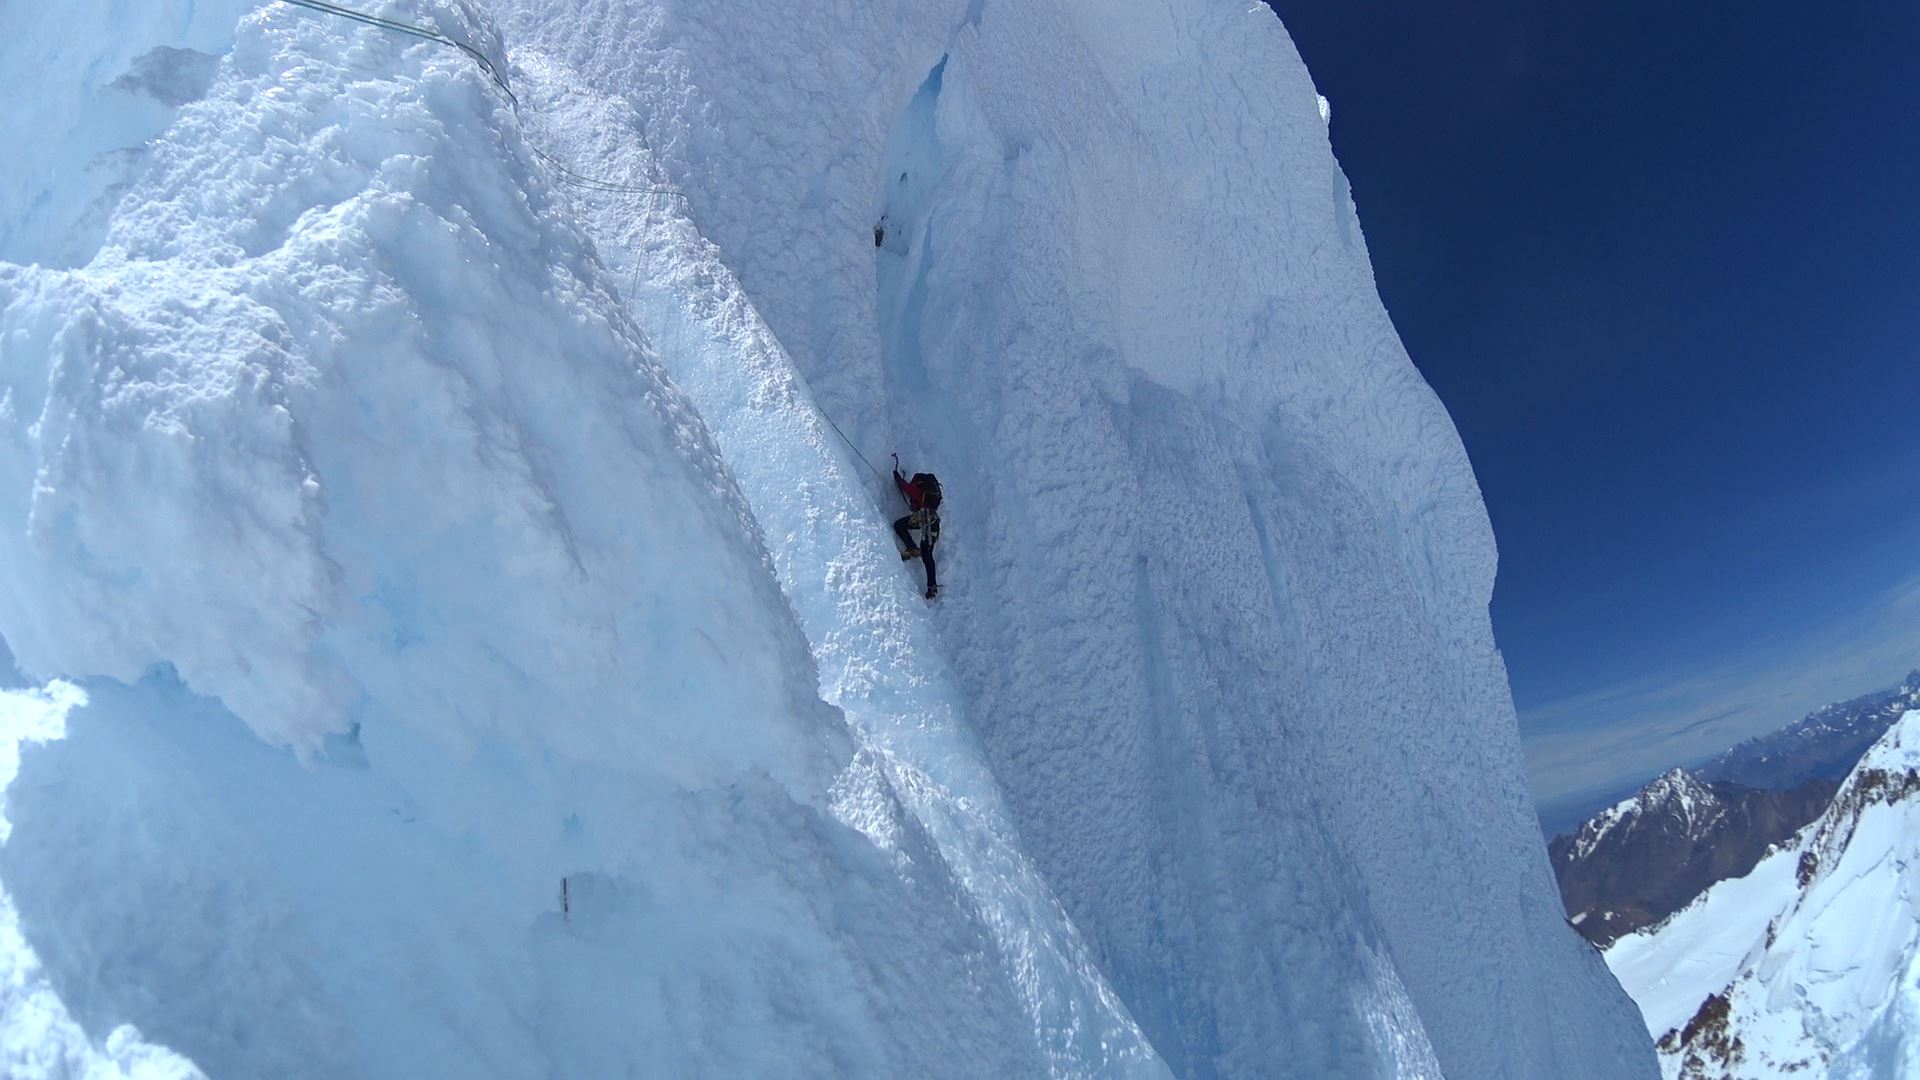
pixel 1212 550
pixel 490 662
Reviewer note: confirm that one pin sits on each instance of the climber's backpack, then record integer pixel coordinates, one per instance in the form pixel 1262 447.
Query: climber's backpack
pixel 929 488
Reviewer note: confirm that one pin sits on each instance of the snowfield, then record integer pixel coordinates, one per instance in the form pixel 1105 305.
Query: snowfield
pixel 453 639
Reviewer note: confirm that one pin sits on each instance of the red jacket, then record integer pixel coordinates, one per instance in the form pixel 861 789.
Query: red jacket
pixel 908 488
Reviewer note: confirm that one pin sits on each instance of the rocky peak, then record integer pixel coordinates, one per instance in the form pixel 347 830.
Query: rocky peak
pixel 1680 793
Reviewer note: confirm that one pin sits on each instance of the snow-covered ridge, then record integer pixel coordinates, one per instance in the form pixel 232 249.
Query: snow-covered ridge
pixel 1811 960
pixel 1599 826
pixel 1889 774
pixel 494 665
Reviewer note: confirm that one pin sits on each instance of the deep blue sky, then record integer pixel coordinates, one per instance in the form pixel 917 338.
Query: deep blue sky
pixel 1662 263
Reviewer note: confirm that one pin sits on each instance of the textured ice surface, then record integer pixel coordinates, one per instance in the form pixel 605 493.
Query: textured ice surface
pixel 424 534
pixel 1215 569
pixel 343 428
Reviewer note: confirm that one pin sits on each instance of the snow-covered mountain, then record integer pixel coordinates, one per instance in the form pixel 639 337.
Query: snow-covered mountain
pixel 459 642
pixel 1675 798
pixel 1810 962
pixel 1824 745
pixel 1648 856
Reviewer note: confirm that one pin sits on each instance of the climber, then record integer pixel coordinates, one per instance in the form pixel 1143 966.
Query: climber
pixel 923 505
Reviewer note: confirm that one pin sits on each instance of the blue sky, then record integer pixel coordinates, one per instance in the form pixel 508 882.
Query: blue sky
pixel 1662 263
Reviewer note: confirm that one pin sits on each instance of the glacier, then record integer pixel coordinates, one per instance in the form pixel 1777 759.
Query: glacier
pixel 453 637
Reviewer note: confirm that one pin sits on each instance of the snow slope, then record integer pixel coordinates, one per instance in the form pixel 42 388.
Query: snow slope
pixel 423 536
pixel 1812 956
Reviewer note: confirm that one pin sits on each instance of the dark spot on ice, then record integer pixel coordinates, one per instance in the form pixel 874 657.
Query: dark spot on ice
pixel 170 76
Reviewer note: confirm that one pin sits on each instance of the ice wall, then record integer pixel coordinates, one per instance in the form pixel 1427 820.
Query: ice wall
pixel 405 579
pixel 438 712
pixel 1216 567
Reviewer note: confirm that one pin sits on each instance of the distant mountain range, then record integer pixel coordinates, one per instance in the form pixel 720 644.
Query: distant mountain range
pixel 1649 855
pixel 1824 745
pixel 1809 963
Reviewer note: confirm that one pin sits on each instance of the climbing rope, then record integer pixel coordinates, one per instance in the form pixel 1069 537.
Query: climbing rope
pixel 427 33
pixel 633 291
pixel 817 407
pixel 566 174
